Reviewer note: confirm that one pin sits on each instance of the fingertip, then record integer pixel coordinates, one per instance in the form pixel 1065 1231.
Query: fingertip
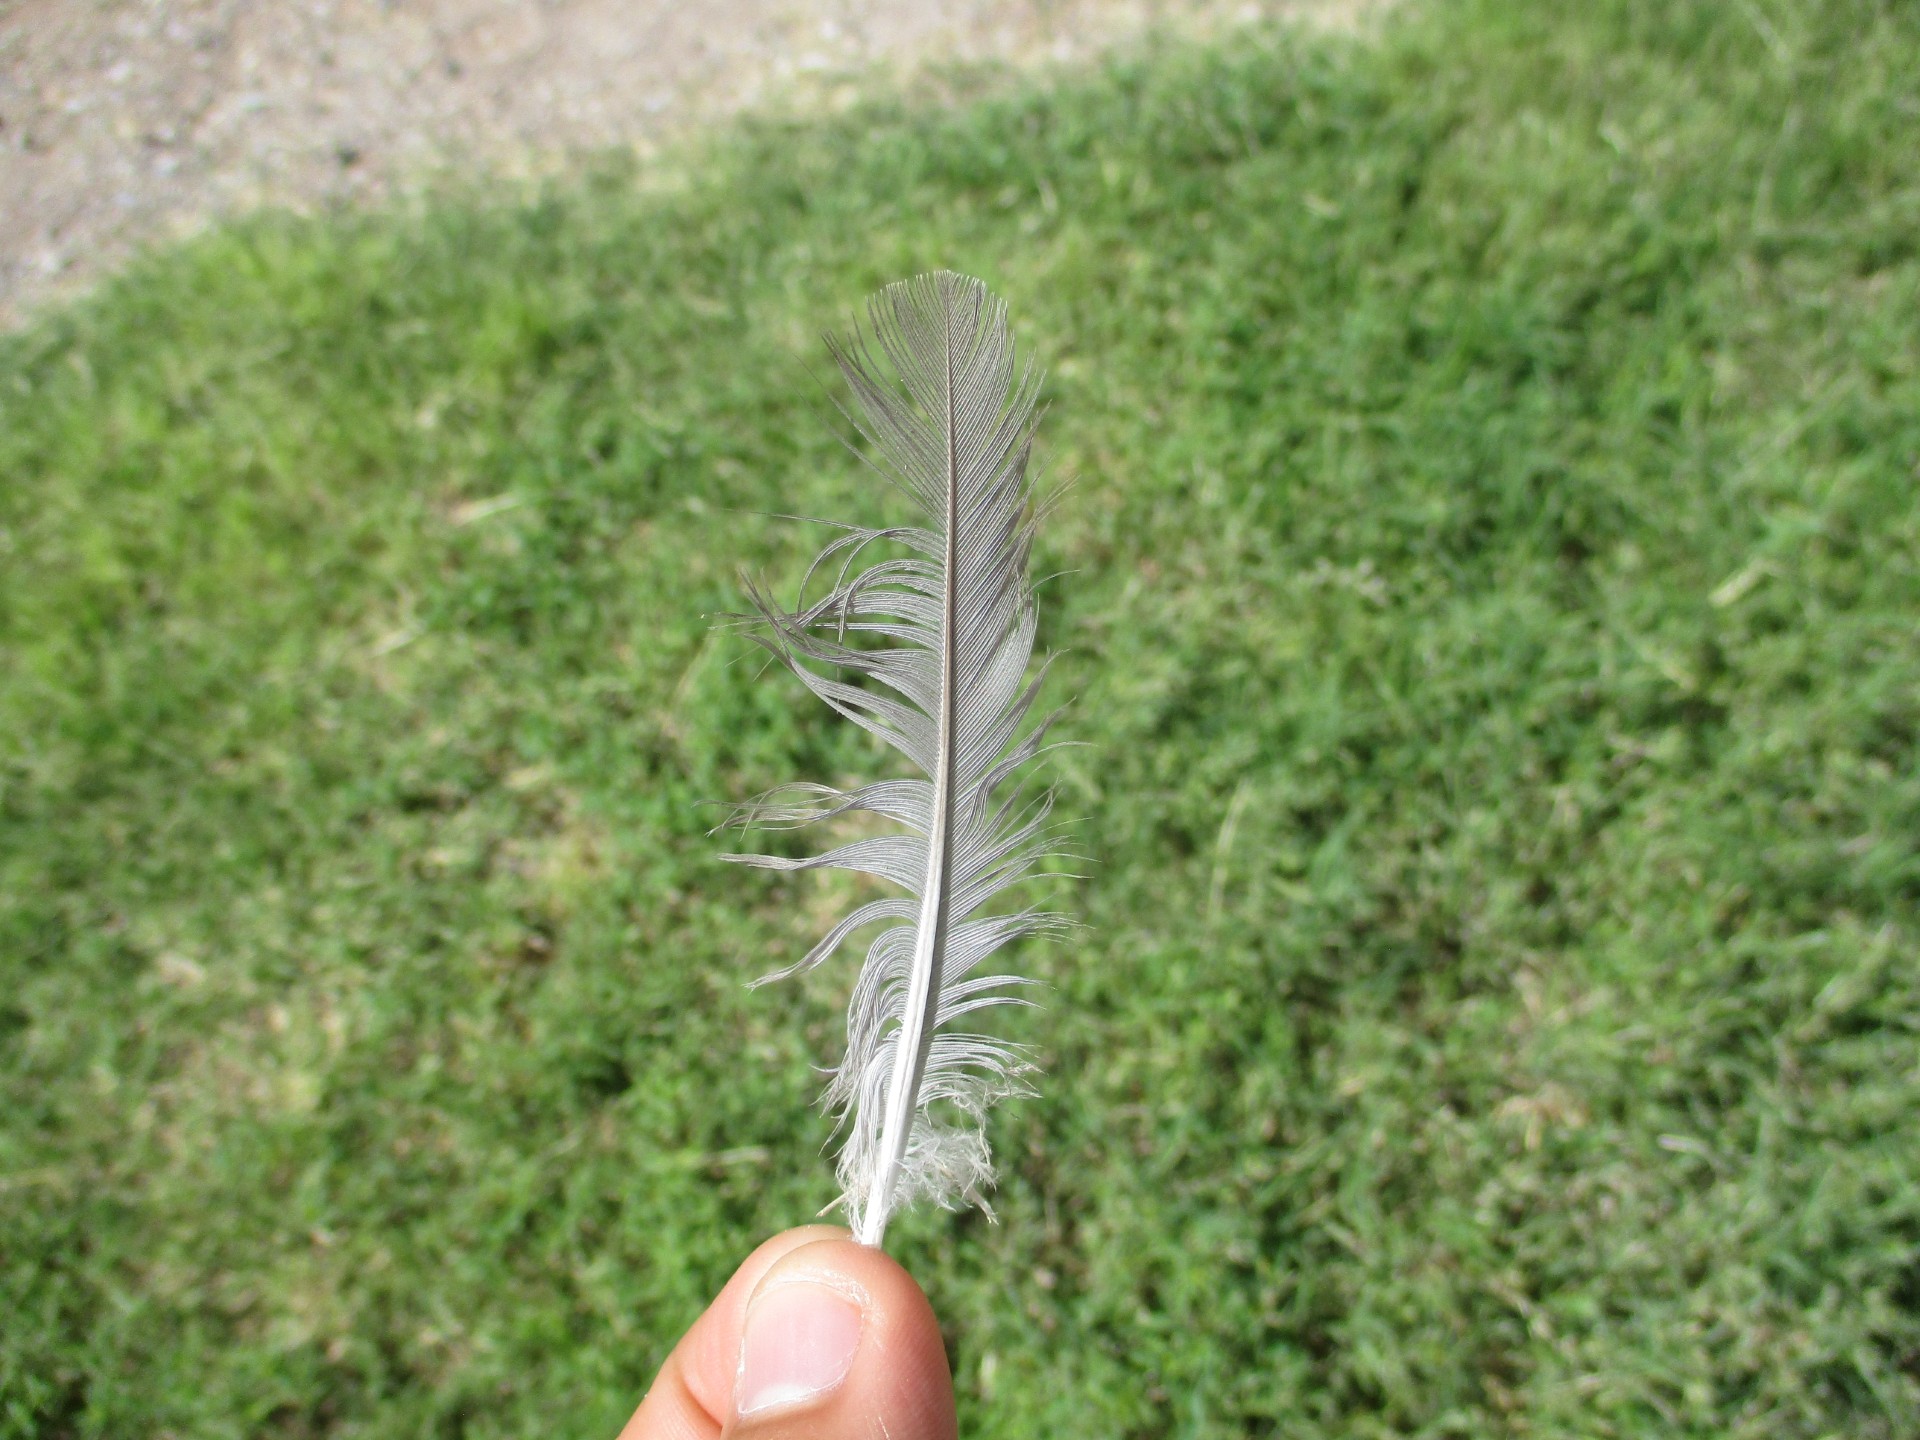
pixel 711 1351
pixel 838 1338
pixel 693 1395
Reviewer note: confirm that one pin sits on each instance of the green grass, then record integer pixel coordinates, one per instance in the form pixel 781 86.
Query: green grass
pixel 1491 611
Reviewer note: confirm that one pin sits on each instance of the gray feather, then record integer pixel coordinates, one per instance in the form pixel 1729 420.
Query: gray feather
pixel 943 638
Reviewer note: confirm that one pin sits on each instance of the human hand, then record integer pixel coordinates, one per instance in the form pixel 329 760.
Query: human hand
pixel 814 1338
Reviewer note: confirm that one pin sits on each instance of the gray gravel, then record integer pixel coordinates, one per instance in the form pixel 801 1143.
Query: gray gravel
pixel 127 121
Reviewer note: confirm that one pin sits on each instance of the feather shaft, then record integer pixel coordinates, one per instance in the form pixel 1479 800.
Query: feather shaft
pixel 923 985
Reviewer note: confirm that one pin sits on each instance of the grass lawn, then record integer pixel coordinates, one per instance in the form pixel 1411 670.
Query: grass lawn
pixel 1491 610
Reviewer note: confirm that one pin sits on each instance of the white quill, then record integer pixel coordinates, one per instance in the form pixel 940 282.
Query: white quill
pixel 942 636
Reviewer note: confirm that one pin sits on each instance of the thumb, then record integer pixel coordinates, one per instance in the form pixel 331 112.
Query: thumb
pixel 814 1338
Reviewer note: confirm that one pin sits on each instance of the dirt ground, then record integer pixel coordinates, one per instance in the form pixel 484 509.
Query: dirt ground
pixel 126 121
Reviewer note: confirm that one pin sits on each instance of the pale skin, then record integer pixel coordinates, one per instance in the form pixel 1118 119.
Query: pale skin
pixel 814 1338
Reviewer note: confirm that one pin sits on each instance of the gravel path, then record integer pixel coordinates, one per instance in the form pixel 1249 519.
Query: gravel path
pixel 125 121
